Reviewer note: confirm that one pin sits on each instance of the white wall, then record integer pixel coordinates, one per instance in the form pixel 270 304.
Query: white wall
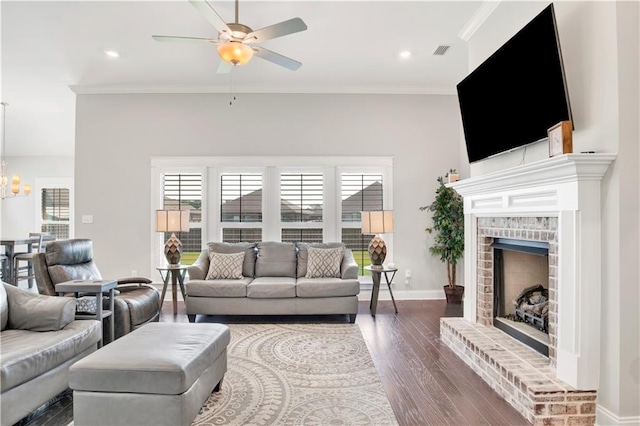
pixel 628 43
pixel 600 49
pixel 116 135
pixel 20 214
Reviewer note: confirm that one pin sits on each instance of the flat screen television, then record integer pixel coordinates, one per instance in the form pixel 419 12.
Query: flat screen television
pixel 513 97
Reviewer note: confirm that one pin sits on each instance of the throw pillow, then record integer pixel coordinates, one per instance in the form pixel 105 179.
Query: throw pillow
pixel 324 263
pixel 225 266
pixel 303 254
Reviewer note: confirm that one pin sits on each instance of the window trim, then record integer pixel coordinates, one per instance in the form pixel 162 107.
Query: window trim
pixel 219 225
pixel 157 238
pixel 303 225
pixel 57 182
pixel 387 204
pixel 271 166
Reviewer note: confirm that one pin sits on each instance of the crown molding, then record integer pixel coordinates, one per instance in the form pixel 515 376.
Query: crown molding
pixel 168 89
pixel 484 11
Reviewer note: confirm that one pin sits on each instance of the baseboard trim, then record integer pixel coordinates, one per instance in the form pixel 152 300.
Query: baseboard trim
pixel 608 418
pixel 404 295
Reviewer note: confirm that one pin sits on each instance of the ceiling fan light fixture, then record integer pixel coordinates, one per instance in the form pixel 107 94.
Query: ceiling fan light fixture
pixel 235 52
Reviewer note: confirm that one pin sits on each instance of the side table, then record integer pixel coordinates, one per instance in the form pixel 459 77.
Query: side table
pixel 177 274
pixel 376 273
pixel 97 287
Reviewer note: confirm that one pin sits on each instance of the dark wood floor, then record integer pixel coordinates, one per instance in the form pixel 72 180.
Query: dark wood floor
pixel 427 384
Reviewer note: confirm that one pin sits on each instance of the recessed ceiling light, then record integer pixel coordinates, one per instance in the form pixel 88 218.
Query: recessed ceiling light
pixel 111 53
pixel 405 54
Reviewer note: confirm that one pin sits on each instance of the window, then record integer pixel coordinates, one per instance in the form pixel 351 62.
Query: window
pixel 183 191
pixel 359 192
pixel 55 212
pixel 301 207
pixel 288 199
pixel 241 207
pixel 241 235
pixel 313 235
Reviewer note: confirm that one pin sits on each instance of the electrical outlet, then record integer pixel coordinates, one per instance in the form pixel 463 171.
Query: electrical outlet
pixel 87 218
pixel 407 273
pixel 134 273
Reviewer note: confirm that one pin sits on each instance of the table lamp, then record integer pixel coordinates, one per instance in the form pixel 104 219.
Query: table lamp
pixel 172 221
pixel 377 222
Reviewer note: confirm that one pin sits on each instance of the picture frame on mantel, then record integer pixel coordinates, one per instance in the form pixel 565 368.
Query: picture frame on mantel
pixel 560 138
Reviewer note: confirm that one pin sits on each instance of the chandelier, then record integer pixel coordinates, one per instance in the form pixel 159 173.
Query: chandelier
pixel 4 177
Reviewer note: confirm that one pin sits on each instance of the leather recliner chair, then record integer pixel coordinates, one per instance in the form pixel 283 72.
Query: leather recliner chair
pixel 136 303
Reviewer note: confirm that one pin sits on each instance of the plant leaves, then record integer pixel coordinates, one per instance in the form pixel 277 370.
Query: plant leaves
pixel 448 224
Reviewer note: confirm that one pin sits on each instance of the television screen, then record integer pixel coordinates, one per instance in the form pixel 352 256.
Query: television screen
pixel 519 92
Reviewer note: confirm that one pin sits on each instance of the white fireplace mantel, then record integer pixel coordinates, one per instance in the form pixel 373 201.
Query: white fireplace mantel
pixel 550 171
pixel 567 187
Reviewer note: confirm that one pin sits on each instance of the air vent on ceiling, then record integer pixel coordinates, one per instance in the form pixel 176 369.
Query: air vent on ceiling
pixel 441 50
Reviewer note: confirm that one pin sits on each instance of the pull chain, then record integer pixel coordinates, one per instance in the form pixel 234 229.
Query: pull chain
pixel 232 97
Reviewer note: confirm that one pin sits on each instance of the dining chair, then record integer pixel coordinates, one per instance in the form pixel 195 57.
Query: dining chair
pixel 4 267
pixel 37 247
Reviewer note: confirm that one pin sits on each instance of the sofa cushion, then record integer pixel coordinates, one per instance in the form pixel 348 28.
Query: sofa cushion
pixel 225 265
pixel 28 354
pixel 272 288
pixel 326 287
pixel 324 263
pixel 218 288
pixel 303 254
pixel 35 312
pixel 4 308
pixel 276 260
pixel 249 264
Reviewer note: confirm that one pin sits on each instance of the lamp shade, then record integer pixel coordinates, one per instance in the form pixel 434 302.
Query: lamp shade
pixel 172 220
pixel 377 222
pixel 235 52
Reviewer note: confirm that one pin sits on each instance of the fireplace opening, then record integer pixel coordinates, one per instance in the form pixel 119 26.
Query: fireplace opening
pixel 521 295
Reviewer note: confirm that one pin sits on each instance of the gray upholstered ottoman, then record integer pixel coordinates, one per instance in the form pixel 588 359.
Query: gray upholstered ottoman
pixel 160 374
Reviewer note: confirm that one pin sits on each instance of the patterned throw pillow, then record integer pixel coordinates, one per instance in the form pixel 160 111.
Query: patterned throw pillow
pixel 324 263
pixel 225 266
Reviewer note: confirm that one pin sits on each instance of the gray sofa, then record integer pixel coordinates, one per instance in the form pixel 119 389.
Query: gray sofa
pixel 273 282
pixel 40 340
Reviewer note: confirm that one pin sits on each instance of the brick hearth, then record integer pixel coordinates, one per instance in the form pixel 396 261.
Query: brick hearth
pixel 520 375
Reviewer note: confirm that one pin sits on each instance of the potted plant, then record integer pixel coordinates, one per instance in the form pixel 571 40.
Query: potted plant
pixel 448 226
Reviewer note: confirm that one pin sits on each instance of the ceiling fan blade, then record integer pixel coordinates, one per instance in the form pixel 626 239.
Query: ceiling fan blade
pixel 224 67
pixel 211 15
pixel 184 39
pixel 276 58
pixel 283 28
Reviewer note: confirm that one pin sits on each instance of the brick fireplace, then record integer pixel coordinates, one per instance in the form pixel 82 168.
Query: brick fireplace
pixel 539 229
pixel 555 201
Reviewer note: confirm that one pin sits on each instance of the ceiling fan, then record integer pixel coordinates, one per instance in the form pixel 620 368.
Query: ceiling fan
pixel 237 42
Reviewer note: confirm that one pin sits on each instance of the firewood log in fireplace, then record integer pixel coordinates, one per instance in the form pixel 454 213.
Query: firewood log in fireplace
pixel 533 301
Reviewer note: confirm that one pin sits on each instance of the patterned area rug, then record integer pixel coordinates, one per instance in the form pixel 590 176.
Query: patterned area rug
pixel 298 374
pixel 283 374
